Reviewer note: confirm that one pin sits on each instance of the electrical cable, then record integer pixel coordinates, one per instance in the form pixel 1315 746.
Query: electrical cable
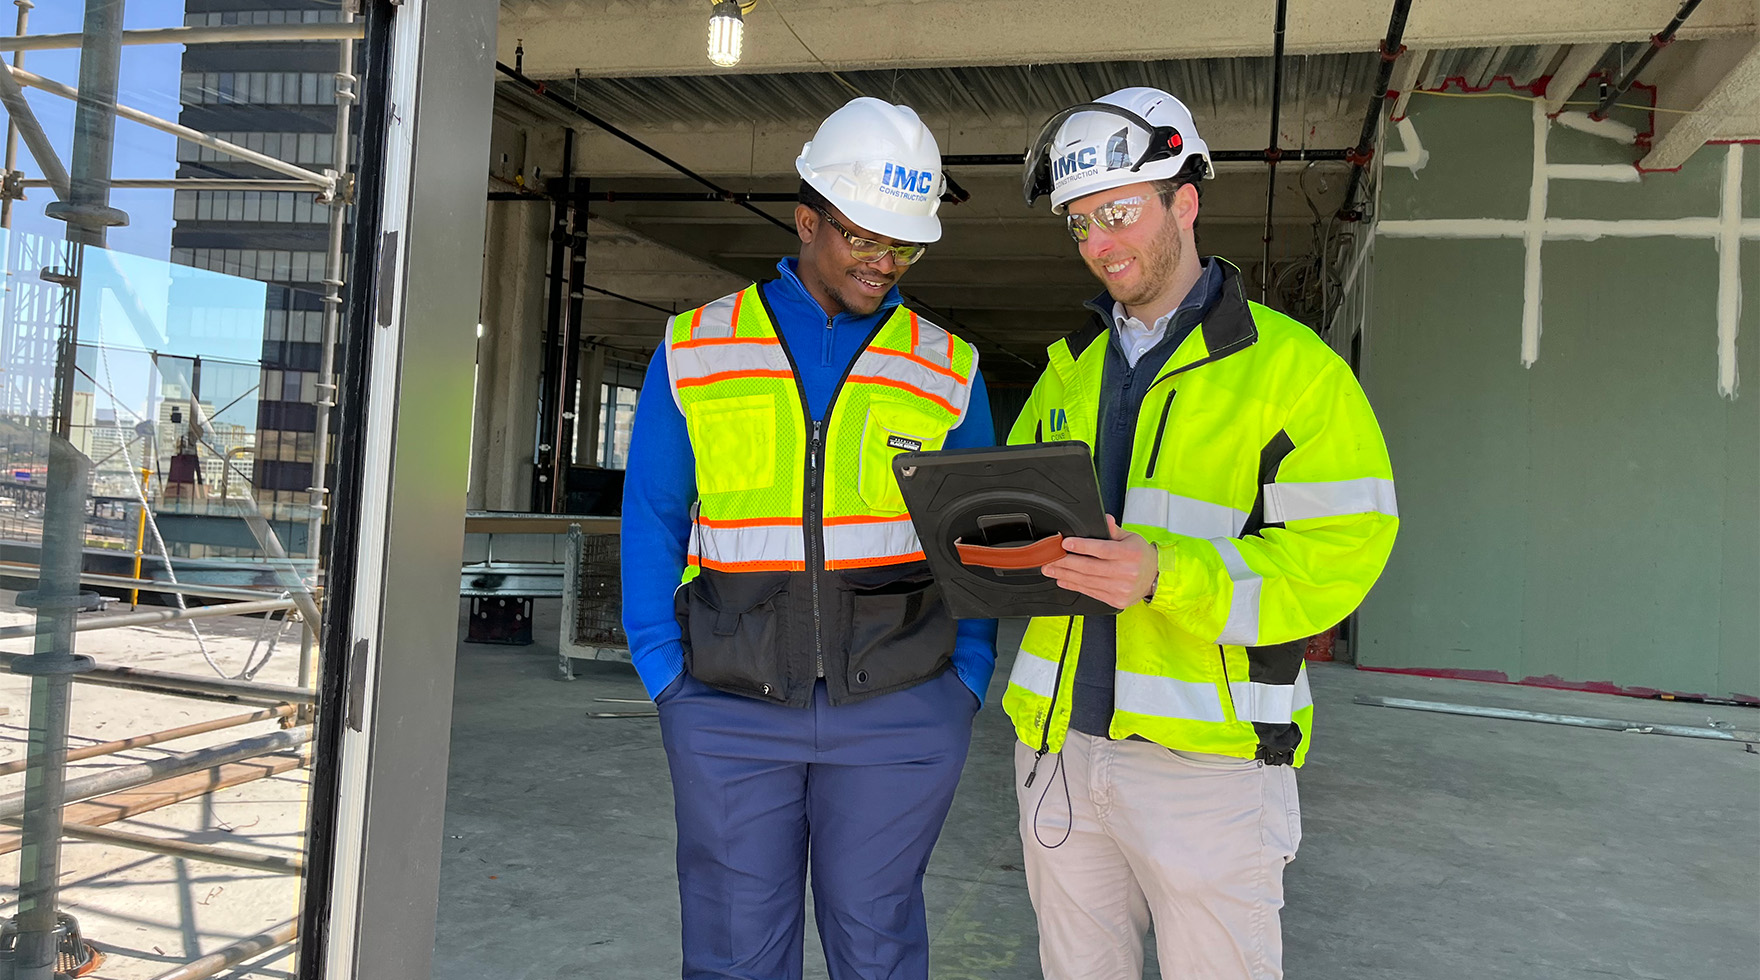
pixel 815 55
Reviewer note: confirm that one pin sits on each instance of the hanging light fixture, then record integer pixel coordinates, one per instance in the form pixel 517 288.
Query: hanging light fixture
pixel 727 29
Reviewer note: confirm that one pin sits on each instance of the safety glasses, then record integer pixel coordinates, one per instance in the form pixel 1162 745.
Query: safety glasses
pixel 1116 216
pixel 869 250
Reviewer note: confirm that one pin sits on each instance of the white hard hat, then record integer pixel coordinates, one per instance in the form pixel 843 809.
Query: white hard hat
pixel 1132 135
pixel 882 168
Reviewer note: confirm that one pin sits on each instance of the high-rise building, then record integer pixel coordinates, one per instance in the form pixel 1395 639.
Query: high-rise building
pixel 277 98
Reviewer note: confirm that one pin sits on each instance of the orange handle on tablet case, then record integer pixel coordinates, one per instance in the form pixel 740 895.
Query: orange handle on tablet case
pixel 1029 554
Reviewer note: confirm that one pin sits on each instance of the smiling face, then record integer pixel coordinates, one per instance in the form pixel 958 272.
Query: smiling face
pixel 1151 264
pixel 837 279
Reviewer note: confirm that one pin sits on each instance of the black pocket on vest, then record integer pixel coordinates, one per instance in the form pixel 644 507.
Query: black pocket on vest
pixel 900 633
pixel 733 632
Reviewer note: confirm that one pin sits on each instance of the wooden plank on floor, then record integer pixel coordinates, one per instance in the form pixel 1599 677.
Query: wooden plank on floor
pixel 165 792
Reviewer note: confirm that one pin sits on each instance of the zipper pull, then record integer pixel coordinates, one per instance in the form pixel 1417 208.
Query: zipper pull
pixel 1034 774
pixel 813 456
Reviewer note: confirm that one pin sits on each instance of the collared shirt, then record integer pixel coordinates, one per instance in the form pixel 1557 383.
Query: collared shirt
pixel 1136 338
pixel 1136 354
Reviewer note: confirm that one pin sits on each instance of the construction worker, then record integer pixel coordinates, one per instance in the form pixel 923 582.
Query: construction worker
pixel 815 695
pixel 1254 507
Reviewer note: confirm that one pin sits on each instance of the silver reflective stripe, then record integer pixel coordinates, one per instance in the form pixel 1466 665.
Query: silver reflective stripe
pixel 1338 498
pixel 876 363
pixel 932 343
pixel 1242 627
pixel 1273 704
pixel 1181 515
pixel 871 541
pixel 772 543
pixel 671 369
pixel 1165 697
pixel 717 319
pixel 689 363
pixel 1034 673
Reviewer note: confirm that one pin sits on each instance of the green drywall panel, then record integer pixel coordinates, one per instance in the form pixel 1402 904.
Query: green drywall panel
pixel 1740 656
pixel 1443 370
pixel 1695 191
pixel 1481 156
pixel 1627 461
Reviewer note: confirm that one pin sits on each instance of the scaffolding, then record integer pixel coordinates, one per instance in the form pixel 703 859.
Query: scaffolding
pixel 53 807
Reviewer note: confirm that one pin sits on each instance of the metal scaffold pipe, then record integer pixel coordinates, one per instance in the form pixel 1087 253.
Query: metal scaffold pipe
pixel 346 97
pixel 192 183
pixel 272 863
pixel 234 954
pixel 226 34
pixel 185 685
pixel 24 19
pixel 52 667
pixel 124 778
pixel 314 180
pixel 163 616
pixel 154 738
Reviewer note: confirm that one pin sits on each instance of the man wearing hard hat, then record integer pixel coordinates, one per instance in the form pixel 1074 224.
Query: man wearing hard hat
pixel 815 696
pixel 1255 507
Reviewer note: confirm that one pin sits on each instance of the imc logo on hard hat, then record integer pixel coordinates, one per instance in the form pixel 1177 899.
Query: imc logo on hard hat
pixel 1086 158
pixel 913 182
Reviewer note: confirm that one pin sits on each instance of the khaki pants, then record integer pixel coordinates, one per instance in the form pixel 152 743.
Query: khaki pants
pixel 1119 834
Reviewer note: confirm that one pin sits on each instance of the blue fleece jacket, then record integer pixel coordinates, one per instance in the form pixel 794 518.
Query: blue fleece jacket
pixel 661 483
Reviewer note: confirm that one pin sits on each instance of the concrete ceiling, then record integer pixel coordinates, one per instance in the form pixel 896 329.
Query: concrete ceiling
pixel 624 38
pixel 984 78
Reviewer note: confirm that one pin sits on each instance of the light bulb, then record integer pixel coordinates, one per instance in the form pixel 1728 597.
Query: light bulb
pixel 727 30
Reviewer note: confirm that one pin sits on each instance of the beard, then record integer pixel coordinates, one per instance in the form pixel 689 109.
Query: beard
pixel 1157 262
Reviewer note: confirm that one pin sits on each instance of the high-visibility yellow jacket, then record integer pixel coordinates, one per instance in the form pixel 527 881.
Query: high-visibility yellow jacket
pixel 1260 475
pixel 802 560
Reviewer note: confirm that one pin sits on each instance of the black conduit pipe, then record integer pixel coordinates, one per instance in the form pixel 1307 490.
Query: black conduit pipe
pixel 1360 155
pixel 556 98
pixel 1657 43
pixel 1271 150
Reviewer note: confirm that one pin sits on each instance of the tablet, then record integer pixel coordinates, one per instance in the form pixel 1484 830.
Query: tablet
pixel 989 518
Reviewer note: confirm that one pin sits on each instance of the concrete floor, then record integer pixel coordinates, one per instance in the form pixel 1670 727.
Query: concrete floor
pixel 1434 846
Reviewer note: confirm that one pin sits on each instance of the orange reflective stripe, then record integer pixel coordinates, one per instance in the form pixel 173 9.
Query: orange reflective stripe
pixel 709 379
pixel 751 522
pixel 876 562
pixel 901 386
pixel 749 566
pixel 718 341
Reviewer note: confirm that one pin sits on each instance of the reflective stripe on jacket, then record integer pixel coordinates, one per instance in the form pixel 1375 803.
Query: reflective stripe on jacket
pixel 802 559
pixel 1261 476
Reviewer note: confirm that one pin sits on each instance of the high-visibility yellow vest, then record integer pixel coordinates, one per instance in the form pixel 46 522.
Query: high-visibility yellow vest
pixel 1260 474
pixel 787 506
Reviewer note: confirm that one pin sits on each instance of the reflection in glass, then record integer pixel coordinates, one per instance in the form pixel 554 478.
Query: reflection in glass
pixel 167 330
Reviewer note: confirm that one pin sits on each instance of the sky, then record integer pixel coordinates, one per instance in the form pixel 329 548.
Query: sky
pixel 140 251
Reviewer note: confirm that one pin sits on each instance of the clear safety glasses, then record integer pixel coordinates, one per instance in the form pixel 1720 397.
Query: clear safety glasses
pixel 869 250
pixel 1116 216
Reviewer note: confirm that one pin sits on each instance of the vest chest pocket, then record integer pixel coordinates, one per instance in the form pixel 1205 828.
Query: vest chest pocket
pixel 892 429
pixel 734 441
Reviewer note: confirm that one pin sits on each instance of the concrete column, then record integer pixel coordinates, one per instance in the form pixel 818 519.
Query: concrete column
pixel 592 375
pixel 509 355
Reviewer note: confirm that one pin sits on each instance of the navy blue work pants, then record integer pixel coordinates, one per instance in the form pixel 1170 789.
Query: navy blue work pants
pixel 864 788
